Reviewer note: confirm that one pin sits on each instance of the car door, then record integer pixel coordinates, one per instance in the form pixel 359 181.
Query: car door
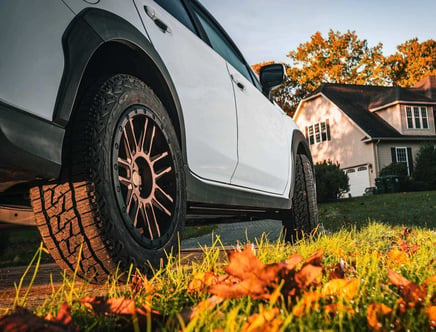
pixel 203 85
pixel 263 145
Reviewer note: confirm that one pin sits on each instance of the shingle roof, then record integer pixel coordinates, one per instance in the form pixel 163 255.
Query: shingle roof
pixel 357 100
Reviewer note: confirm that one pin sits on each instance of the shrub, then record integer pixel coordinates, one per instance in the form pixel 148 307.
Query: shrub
pixel 330 181
pixel 399 169
pixel 425 168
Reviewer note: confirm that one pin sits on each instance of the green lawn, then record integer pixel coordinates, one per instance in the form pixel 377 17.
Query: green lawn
pixel 408 209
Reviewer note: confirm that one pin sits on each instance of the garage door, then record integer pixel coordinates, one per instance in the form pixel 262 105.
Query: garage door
pixel 359 180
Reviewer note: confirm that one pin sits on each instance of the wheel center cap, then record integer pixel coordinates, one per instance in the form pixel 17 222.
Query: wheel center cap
pixel 136 179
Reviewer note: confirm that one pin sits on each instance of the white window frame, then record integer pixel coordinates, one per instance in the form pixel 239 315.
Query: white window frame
pixel 317 133
pixel 405 154
pixel 418 119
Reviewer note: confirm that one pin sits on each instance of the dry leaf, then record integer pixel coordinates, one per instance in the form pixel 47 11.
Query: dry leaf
pixel 430 280
pixel 309 275
pixel 397 279
pixel 202 281
pixel 341 287
pixel 116 306
pixel 265 321
pixel 24 320
pixel 431 312
pixel 398 257
pixel 411 293
pixel 334 308
pixel 63 316
pixel 292 262
pixel 375 313
pixel 306 303
pixel 315 259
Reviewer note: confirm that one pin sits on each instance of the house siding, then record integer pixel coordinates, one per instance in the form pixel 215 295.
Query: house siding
pixel 384 151
pixel 353 153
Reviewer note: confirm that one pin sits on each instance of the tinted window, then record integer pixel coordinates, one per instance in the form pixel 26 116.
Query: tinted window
pixel 220 44
pixel 176 8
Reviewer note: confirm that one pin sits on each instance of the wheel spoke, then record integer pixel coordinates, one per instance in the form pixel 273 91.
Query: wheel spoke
pixel 160 206
pixel 165 171
pixel 136 212
pixel 143 135
pixel 160 157
pixel 130 138
pixel 130 198
pixel 165 194
pixel 124 181
pixel 126 164
pixel 150 144
pixel 153 226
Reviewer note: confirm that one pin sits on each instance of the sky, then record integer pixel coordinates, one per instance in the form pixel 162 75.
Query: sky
pixel 266 30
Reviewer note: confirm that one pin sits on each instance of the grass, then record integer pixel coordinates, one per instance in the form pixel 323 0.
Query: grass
pixel 367 254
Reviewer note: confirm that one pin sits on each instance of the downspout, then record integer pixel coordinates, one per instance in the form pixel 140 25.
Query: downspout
pixel 376 157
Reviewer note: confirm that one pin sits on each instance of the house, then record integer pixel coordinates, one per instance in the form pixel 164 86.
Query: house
pixel 366 128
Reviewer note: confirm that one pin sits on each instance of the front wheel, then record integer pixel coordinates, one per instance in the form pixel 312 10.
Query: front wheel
pixel 302 219
pixel 123 199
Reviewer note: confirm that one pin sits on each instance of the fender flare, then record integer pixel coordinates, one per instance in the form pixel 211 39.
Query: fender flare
pixel 99 27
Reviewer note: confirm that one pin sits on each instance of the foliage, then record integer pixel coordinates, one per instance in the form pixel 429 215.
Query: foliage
pixel 412 62
pixel 344 58
pixel 399 169
pixel 330 181
pixel 425 169
pixel 379 278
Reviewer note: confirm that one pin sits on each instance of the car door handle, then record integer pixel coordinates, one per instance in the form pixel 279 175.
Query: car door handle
pixel 238 84
pixel 161 24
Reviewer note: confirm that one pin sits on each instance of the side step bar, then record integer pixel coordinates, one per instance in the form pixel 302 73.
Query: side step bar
pixel 18 215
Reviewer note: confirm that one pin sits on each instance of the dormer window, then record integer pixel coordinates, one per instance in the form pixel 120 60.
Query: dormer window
pixel 417 117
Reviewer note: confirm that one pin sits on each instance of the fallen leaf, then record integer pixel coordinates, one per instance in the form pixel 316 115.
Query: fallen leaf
pixel 116 306
pixel 292 262
pixel 341 288
pixel 375 313
pixel 202 281
pixel 315 259
pixel 63 316
pixel 309 275
pixel 338 271
pixel 398 257
pixel 397 279
pixel 24 320
pixel 264 321
pixel 431 312
pixel 430 280
pixel 306 303
pixel 334 308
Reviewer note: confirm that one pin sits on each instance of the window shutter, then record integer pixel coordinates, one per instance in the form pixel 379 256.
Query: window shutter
pixel 327 124
pixel 307 133
pixel 410 160
pixel 394 155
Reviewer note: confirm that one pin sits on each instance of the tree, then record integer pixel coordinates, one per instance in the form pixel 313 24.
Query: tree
pixel 412 62
pixel 425 168
pixel 330 181
pixel 399 169
pixel 339 58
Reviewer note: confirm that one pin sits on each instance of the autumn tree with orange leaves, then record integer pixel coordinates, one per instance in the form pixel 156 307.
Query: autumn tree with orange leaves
pixel 344 58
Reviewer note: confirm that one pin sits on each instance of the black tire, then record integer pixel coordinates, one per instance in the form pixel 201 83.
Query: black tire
pixel 120 202
pixel 302 219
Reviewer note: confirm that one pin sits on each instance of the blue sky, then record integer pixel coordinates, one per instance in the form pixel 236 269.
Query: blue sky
pixel 268 29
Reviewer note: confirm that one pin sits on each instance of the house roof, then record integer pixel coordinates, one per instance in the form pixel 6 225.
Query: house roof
pixel 357 101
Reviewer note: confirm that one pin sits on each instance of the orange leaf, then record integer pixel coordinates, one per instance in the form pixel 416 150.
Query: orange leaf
pixel 63 316
pixel 292 262
pixel 375 312
pixel 413 294
pixel 398 257
pixel 431 312
pixel 430 280
pixel 263 321
pixel 244 264
pixel 309 275
pixel 333 308
pixel 341 287
pixel 306 303
pixel 202 281
pixel 397 279
pixel 315 259
pixel 117 306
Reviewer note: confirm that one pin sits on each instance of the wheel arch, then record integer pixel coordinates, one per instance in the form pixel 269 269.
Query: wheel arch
pixel 112 46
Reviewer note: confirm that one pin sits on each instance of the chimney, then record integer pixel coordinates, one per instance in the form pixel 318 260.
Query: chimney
pixel 427 86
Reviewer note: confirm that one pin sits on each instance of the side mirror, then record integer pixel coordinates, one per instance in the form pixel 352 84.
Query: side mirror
pixel 271 77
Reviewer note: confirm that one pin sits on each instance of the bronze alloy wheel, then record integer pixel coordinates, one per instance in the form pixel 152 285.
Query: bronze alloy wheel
pixel 144 178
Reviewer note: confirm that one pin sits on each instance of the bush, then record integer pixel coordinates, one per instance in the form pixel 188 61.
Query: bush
pixel 399 169
pixel 330 181
pixel 425 168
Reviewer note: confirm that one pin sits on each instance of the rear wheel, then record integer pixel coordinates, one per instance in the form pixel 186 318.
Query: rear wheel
pixel 302 219
pixel 123 197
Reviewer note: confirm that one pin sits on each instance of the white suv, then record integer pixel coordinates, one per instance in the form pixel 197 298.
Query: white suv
pixel 127 119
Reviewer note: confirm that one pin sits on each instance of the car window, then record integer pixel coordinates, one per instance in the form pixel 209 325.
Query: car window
pixel 178 10
pixel 222 46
